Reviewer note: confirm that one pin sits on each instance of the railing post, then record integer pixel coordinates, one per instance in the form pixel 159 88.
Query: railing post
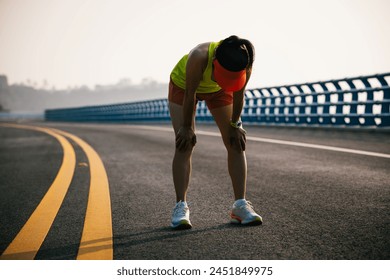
pixel 314 118
pixel 326 117
pixel 291 106
pixel 385 110
pixel 368 105
pixel 353 113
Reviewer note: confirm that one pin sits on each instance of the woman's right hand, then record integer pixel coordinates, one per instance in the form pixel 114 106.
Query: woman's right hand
pixel 185 139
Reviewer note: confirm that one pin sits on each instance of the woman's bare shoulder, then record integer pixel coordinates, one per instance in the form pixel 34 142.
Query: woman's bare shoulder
pixel 200 50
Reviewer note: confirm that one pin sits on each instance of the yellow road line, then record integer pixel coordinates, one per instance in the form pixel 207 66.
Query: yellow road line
pixel 30 238
pixel 96 241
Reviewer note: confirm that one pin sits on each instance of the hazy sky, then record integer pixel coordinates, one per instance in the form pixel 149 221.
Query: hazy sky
pixel 75 42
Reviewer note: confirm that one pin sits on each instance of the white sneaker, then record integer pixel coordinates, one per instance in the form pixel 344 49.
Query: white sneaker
pixel 243 213
pixel 181 216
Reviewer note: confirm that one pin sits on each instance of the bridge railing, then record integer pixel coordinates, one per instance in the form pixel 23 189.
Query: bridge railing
pixel 358 101
pixel 351 102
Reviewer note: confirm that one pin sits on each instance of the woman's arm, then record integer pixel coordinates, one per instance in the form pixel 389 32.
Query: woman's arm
pixel 237 135
pixel 238 99
pixel 194 74
pixel 196 63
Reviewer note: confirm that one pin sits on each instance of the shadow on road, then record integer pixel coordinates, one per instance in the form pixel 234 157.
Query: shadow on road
pixel 165 239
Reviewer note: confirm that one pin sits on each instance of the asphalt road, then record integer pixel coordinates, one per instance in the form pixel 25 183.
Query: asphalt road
pixel 315 203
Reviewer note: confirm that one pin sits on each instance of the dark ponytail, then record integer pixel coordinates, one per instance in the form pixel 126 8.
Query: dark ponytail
pixel 235 54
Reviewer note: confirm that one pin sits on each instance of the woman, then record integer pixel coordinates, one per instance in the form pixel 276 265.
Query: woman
pixel 216 72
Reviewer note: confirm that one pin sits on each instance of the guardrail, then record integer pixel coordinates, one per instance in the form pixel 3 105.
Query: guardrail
pixel 11 116
pixel 351 102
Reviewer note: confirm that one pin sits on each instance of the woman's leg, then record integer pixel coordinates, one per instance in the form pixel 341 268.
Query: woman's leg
pixel 181 165
pixel 236 160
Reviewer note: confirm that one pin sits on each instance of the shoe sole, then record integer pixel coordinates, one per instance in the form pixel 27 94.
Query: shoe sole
pixel 181 226
pixel 236 220
pixel 254 223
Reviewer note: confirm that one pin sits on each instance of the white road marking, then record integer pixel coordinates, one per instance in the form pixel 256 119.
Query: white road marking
pixel 274 141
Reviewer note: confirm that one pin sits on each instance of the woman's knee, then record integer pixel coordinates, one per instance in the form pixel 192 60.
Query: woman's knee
pixel 230 148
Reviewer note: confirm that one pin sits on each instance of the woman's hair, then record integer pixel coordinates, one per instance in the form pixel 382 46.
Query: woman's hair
pixel 235 54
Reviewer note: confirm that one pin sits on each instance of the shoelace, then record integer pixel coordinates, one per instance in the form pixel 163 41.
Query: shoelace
pixel 179 209
pixel 248 206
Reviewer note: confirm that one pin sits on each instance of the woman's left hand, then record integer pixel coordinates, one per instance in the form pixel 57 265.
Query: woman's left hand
pixel 237 138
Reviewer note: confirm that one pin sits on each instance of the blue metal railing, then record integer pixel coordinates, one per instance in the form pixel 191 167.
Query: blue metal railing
pixel 356 102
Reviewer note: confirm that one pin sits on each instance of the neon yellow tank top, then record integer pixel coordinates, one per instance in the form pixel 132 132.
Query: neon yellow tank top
pixel 206 85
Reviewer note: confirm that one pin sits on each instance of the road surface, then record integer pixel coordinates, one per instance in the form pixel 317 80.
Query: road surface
pixel 322 193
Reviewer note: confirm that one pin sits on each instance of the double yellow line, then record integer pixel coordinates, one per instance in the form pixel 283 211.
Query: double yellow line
pixel 96 241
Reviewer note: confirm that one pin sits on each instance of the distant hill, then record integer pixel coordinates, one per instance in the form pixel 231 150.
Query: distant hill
pixel 24 98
